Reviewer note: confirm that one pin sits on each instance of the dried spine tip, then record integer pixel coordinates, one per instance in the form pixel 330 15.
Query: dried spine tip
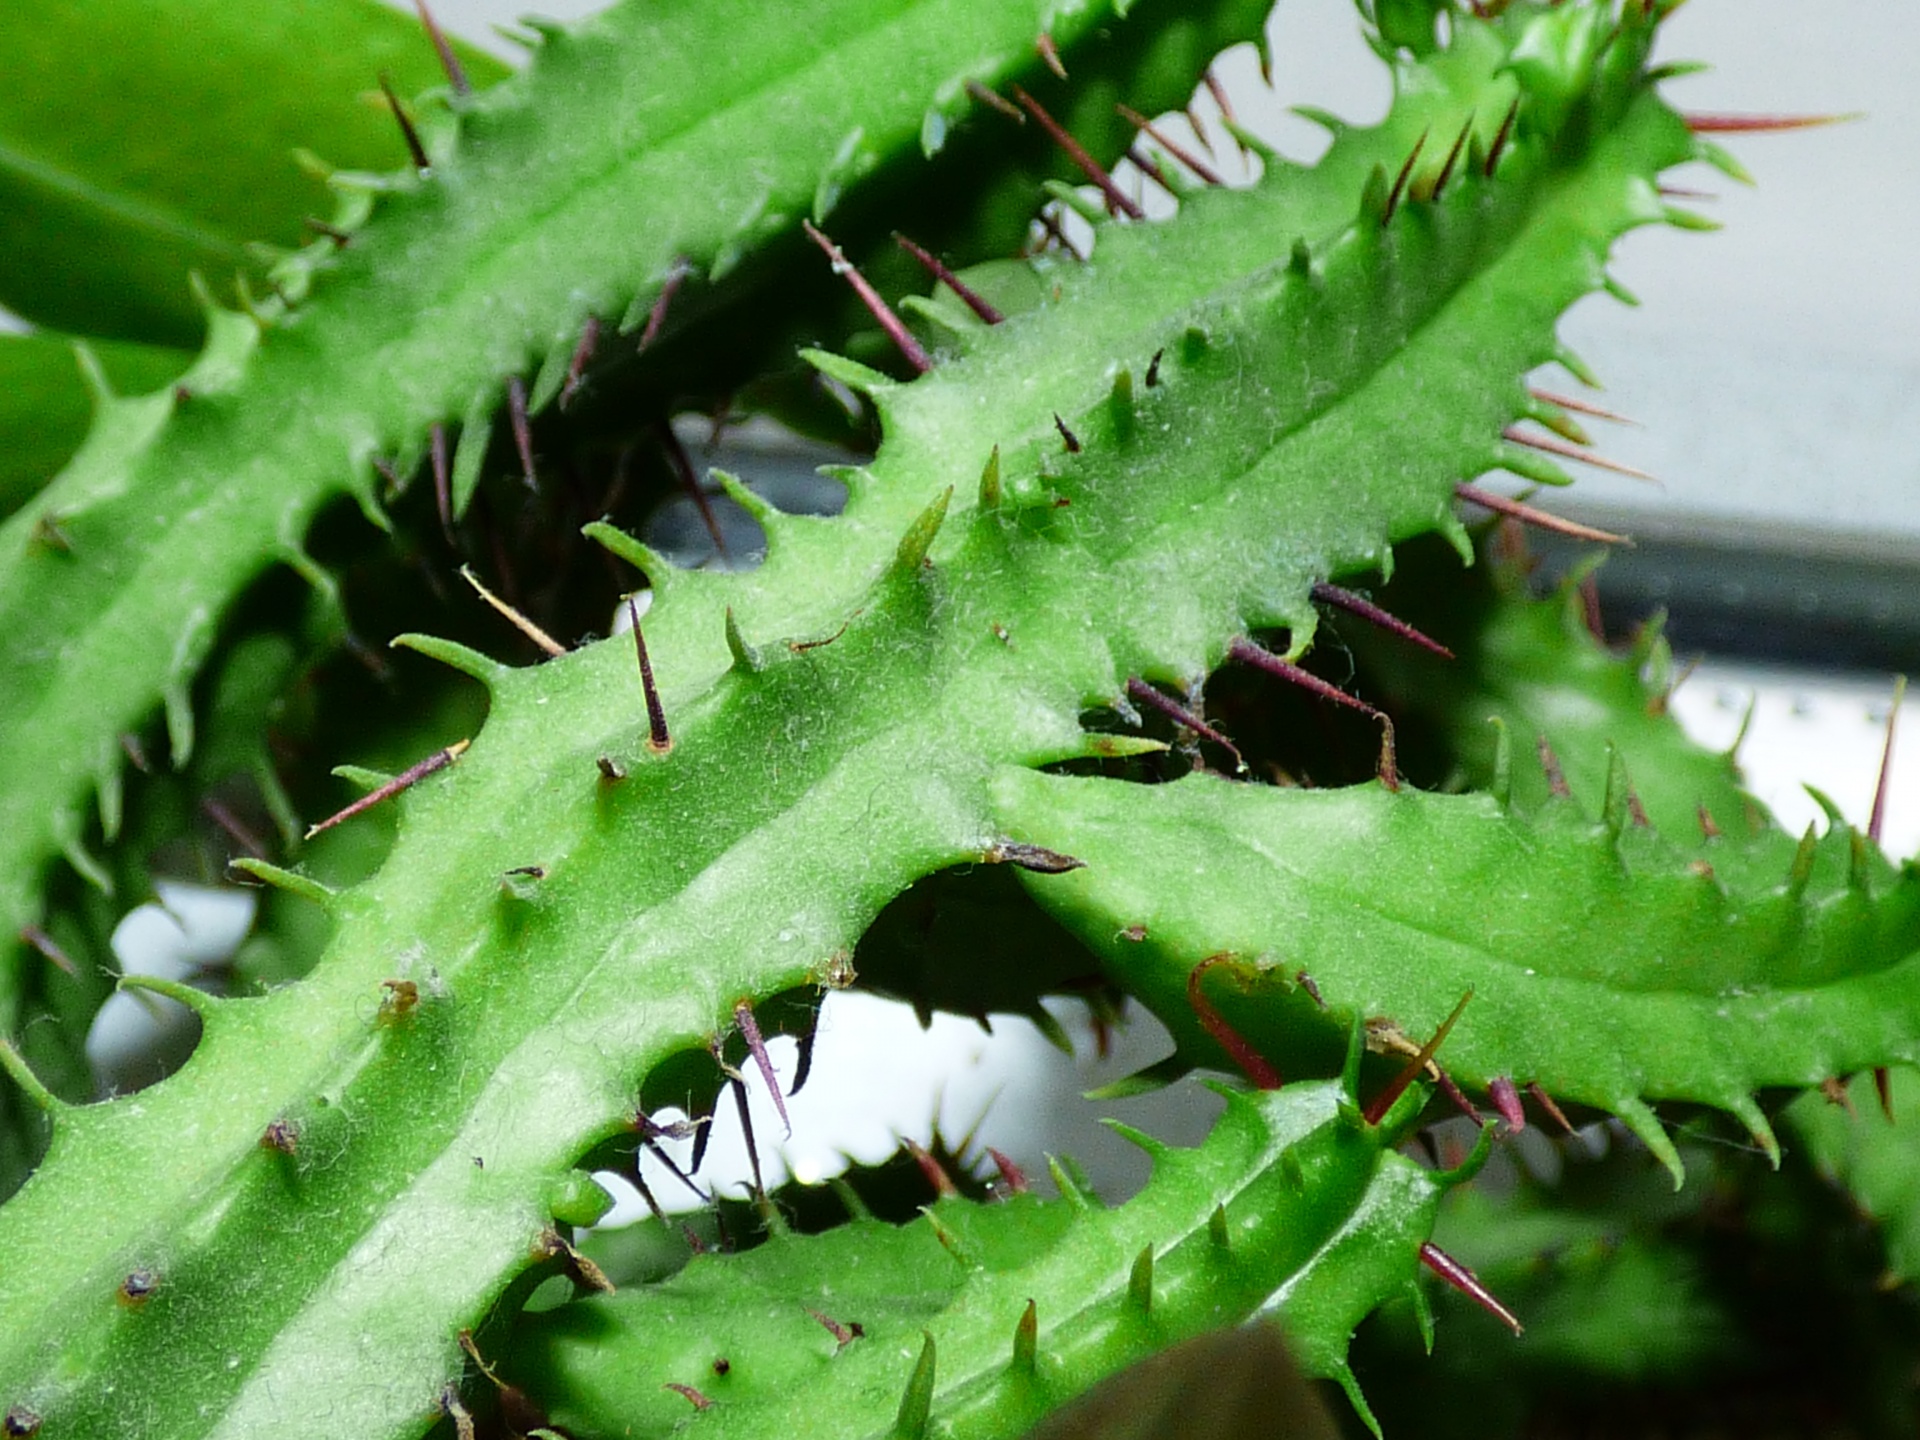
pixel 938 269
pixel 1500 139
pixel 442 479
pixel 1249 653
pixel 1514 510
pixel 1551 445
pixel 1205 172
pixel 1876 817
pixel 39 939
pixel 691 1395
pixel 522 430
pixel 993 100
pixel 407 132
pixel 1400 180
pixel 657 314
pixel 138 1287
pixel 757 1047
pixel 1118 201
pixel 1376 1109
pixel 1467 1283
pixel 682 466
pixel 449 61
pixel 1050 53
pixel 513 617
pixel 1506 1099
pixel 1758 124
pixel 658 739
pixel 844 1334
pixel 935 1172
pixel 896 329
pixel 1252 1063
pixel 1138 690
pixel 1071 440
pixel 411 776
pixel 582 357
pixel 1359 605
pixel 20 1423
pixel 1037 858
pixel 281 1135
pixel 1011 1175
pixel 1550 767
pixel 454 1410
pixel 610 769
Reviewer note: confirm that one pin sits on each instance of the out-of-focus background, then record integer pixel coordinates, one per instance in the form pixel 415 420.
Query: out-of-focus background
pixel 1774 375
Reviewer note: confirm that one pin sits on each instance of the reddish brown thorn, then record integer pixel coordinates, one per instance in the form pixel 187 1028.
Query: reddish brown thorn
pixel 1681 192
pixel 39 939
pixel 1072 441
pixel 1118 201
pixel 1150 167
pixel 1146 694
pixel 650 1137
pixel 407 132
pixel 691 1395
pixel 1011 1175
pixel 1708 829
pixel 1467 1283
pixel 1757 124
pixel 1500 138
pixel 739 1086
pixel 1359 605
pixel 333 232
pixel 1050 53
pixel 1383 1102
pixel 1059 236
pixel 657 316
pixel 1252 1063
pixel 1883 1087
pixel 411 776
pixel 1306 983
pixel 757 1047
pixel 1550 765
pixel 1547 1103
pixel 891 323
pixel 843 1335
pixel 658 740
pixel 681 464
pixel 1400 180
pixel 1205 172
pixel 1582 407
pixel 1877 816
pixel 1590 615
pixel 1636 811
pixel 449 62
pixel 1835 1089
pixel 1435 190
pixel 1513 509
pixel 1506 1099
pixel 722 1365
pixel 513 617
pixel 1554 445
pixel 522 432
pixel 442 480
pixel 938 269
pixel 1249 653
pixel 995 101
pixel 1219 94
pixel 935 1172
pixel 582 357
pixel 1451 1089
pixel 1153 369
pixel 230 823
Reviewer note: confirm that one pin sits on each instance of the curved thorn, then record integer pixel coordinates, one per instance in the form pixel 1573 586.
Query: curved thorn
pixel 1251 1062
pixel 1251 654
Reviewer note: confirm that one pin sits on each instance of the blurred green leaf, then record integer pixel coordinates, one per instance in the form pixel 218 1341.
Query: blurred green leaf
pixel 141 140
pixel 45 405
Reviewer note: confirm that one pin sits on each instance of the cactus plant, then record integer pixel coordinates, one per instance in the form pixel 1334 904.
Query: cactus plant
pixel 1100 489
